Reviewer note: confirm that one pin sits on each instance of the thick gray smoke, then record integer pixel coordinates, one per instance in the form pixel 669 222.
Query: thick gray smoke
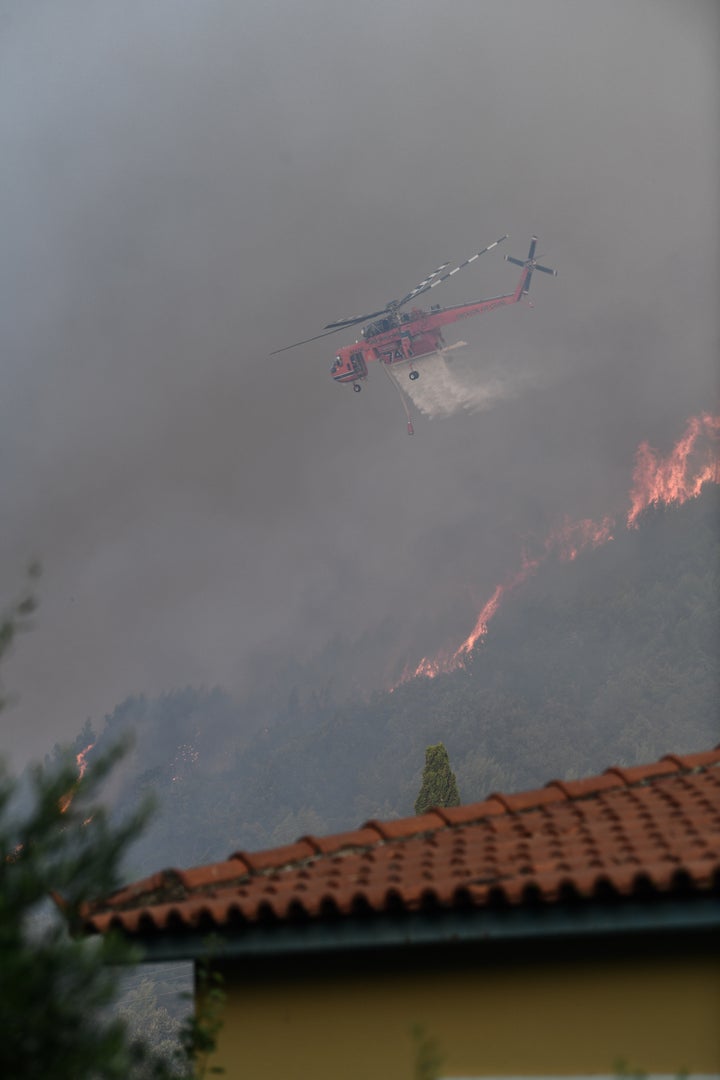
pixel 189 186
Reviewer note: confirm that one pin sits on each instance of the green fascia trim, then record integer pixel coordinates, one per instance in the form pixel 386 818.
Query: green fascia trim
pixel 438 928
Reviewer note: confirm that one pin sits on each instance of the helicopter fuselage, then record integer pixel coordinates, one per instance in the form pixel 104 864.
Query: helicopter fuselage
pixel 397 339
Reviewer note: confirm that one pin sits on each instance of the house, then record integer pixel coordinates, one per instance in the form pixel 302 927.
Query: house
pixel 573 930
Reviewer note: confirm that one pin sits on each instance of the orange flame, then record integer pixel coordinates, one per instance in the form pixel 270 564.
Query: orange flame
pixel 694 461
pixel 81 760
pixel 481 623
pixel 680 476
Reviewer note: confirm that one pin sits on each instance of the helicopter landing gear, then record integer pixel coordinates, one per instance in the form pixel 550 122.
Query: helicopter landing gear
pixel 357 387
pixel 413 376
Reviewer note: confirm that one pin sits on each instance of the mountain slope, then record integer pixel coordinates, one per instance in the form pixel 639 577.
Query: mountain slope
pixel 612 657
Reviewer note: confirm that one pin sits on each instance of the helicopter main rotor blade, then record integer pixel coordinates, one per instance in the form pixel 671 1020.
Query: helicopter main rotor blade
pixel 533 245
pixel 392 305
pixel 425 285
pixel 512 259
pixel 355 319
pixel 433 284
pixel 545 270
pixel 295 344
pixel 422 285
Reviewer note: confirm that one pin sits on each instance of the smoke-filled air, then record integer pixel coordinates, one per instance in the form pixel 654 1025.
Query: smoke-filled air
pixel 188 190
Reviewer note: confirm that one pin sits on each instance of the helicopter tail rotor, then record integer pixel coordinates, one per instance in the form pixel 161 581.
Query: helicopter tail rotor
pixel 530 264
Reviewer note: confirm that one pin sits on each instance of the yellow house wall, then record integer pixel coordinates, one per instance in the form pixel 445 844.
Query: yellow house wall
pixel 561 1016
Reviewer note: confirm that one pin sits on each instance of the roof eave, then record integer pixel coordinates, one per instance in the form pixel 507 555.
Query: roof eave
pixel 437 928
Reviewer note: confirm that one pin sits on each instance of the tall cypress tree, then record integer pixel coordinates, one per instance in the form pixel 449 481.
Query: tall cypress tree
pixel 439 786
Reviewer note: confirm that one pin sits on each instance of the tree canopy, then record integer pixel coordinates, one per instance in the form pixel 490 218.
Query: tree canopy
pixel 439 786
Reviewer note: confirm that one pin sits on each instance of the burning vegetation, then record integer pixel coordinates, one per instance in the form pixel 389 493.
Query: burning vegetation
pixel 657 481
pixel 81 761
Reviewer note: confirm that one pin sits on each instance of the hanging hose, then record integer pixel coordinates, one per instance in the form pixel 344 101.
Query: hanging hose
pixel 406 407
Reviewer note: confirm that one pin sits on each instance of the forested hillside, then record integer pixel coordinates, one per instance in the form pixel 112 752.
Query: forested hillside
pixel 610 658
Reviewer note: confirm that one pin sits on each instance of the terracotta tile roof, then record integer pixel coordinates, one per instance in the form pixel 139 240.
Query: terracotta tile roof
pixel 652 829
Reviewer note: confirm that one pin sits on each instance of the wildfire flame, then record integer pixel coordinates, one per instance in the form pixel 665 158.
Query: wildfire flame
pixel 81 760
pixel 63 805
pixel 693 462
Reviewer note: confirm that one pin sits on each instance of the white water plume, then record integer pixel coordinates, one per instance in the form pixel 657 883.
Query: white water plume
pixel 451 383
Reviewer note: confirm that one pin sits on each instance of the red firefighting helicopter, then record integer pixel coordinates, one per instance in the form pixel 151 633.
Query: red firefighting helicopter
pixel 396 337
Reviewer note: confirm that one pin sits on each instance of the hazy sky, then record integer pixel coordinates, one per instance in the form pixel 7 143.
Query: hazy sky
pixel 187 186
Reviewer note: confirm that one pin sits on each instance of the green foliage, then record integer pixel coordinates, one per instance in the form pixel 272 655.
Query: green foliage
pixel 199 1035
pixel 56 990
pixel 439 786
